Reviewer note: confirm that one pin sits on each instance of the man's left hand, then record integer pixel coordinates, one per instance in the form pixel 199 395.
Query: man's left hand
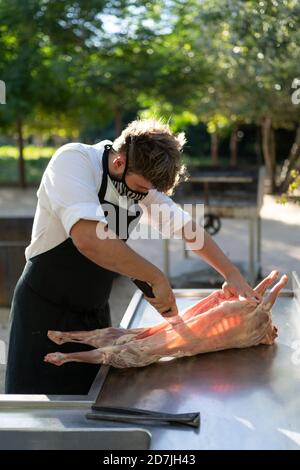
pixel 236 285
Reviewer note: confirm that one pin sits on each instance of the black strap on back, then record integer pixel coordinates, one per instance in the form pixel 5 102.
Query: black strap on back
pixel 103 186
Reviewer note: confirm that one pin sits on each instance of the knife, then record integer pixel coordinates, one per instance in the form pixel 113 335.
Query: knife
pixel 144 287
pixel 147 290
pixel 133 415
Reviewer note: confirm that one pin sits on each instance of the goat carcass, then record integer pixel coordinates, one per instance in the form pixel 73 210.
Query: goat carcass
pixel 212 324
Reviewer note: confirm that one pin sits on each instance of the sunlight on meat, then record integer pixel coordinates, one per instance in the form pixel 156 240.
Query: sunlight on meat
pixel 213 324
pixel 224 325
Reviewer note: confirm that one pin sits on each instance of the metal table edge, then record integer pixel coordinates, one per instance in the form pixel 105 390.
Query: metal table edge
pixel 196 292
pixel 85 401
pixel 70 401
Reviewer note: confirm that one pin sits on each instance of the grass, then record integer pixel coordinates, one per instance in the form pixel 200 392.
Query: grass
pixel 37 158
pixel 202 160
pixel 31 152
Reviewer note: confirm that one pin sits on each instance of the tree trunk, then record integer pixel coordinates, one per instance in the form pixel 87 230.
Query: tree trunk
pixel 21 162
pixel 291 162
pixel 118 122
pixel 257 145
pixel 273 148
pixel 268 148
pixel 214 149
pixel 234 146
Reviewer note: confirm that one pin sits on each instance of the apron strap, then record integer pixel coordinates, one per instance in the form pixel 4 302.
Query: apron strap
pixel 102 191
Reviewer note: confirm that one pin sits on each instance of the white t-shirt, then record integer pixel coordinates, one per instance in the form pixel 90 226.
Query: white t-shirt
pixel 69 192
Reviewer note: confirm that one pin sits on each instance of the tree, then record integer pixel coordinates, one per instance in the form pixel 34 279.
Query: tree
pixel 255 46
pixel 38 42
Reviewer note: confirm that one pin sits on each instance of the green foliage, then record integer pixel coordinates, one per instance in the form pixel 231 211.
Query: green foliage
pixel 31 152
pixel 36 160
pixel 293 191
pixel 74 66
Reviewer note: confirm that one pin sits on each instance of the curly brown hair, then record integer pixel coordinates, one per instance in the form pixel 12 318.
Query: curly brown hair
pixel 154 152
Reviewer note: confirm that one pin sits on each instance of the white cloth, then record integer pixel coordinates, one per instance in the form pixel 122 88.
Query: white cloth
pixel 69 192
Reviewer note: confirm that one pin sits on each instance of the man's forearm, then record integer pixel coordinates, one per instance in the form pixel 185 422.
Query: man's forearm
pixel 112 254
pixel 212 253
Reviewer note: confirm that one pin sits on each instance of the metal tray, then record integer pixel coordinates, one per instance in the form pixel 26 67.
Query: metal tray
pixel 75 439
pixel 248 398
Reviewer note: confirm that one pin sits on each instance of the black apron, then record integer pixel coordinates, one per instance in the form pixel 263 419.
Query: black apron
pixel 63 290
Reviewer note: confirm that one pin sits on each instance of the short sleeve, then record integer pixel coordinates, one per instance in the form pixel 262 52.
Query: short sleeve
pixel 71 185
pixel 164 214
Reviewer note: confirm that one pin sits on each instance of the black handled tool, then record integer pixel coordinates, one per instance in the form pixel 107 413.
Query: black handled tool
pixel 146 289
pixel 132 415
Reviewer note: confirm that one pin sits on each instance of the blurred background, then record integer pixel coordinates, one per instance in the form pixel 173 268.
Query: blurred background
pixel 224 71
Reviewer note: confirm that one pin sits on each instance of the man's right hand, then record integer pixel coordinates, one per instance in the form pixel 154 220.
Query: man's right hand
pixel 164 301
pixel 113 254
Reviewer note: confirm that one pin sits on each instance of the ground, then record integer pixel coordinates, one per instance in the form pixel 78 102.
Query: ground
pixel 280 248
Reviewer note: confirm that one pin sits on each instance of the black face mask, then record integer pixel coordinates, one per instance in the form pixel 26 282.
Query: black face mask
pixel 121 185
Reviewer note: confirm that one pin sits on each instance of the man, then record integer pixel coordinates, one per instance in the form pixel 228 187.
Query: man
pixel 72 258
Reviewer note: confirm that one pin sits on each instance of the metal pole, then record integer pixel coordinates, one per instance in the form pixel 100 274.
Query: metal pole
pixel 251 251
pixel 166 257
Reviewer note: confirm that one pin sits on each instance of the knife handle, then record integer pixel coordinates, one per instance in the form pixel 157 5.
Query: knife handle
pixel 145 287
pixel 132 415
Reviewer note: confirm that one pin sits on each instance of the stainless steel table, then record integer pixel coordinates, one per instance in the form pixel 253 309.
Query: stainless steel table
pixel 248 398
pixel 49 423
